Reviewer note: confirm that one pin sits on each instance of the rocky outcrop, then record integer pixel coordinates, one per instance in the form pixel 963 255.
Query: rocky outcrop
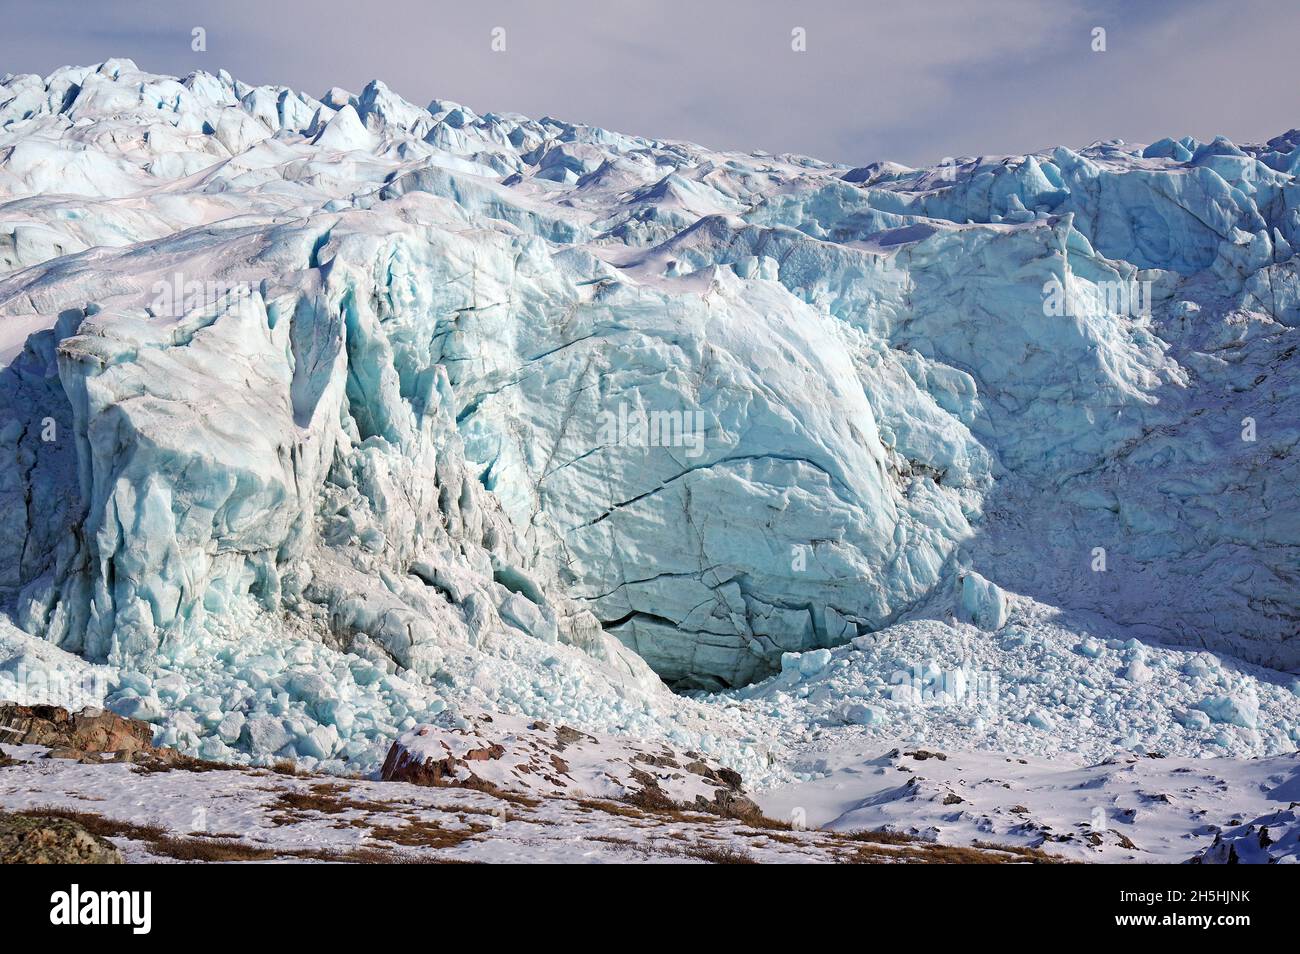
pixel 90 735
pixel 1272 838
pixel 506 753
pixel 420 768
pixel 52 841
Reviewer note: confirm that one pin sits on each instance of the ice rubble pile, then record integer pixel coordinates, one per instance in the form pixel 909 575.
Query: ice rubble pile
pixel 1037 685
pixel 522 413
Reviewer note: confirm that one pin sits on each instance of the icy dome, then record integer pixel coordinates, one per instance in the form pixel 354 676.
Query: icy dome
pixel 322 417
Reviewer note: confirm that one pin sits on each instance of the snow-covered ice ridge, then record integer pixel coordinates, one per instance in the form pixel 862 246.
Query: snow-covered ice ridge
pixel 323 418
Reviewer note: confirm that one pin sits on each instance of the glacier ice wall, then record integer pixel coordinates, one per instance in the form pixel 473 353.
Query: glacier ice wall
pixel 413 379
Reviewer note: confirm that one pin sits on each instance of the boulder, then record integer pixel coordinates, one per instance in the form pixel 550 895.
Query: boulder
pixel 52 841
pixel 88 732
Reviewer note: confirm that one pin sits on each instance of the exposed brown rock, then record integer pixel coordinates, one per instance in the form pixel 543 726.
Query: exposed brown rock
pixel 922 754
pixel 402 766
pixel 567 735
pixel 659 761
pixel 731 778
pixel 52 841
pixel 524 756
pixel 729 803
pixel 86 735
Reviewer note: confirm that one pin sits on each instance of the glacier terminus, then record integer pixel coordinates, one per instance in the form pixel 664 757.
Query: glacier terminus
pixel 323 420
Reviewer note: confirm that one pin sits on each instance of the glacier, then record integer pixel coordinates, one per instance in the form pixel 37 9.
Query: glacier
pixel 324 418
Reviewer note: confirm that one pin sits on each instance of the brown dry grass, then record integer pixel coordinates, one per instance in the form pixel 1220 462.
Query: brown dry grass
pixel 329 798
pixel 880 837
pixel 720 855
pixel 424 833
pixel 184 763
pixel 203 847
pixel 610 808
pixel 916 851
pixel 315 797
pixel 158 839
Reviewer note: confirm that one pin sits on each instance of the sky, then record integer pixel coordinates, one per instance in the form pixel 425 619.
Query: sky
pixel 914 81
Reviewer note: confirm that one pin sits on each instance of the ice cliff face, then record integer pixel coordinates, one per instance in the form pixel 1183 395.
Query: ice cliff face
pixel 427 386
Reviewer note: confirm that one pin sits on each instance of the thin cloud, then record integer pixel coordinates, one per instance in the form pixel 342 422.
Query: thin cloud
pixel 912 82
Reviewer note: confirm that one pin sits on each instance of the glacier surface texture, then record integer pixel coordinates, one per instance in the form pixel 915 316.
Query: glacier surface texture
pixel 321 418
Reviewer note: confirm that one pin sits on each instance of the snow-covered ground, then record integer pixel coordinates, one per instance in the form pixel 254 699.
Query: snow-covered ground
pixel 1130 809
pixel 322 419
pixel 255 815
pixel 495 788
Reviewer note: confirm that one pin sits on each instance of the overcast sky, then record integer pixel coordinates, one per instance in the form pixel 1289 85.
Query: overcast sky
pixel 910 80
